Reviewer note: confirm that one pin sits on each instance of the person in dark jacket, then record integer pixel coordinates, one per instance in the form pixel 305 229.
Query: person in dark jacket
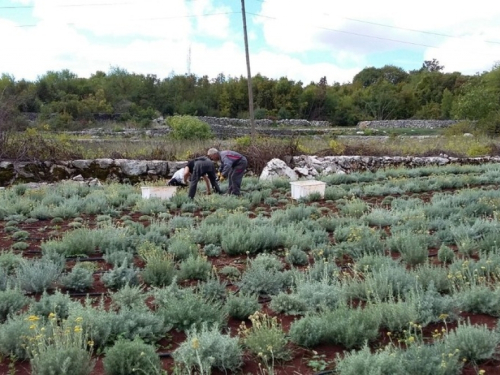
pixel 233 166
pixel 203 168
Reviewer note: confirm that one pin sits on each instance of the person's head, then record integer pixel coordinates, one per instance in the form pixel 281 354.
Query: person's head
pixel 213 154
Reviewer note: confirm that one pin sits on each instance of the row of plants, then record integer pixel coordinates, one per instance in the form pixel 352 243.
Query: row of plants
pixel 325 262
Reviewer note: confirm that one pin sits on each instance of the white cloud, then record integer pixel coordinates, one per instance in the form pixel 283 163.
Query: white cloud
pixel 305 40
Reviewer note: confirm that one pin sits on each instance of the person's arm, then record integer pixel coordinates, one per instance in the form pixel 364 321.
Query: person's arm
pixel 186 175
pixel 213 181
pixel 208 184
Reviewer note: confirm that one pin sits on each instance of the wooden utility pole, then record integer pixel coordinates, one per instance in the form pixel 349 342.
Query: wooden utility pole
pixel 249 75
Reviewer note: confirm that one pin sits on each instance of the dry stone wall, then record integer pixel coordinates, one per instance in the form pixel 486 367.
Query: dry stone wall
pixel 132 171
pixel 415 124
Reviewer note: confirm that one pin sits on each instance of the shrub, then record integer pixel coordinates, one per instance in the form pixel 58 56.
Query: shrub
pixel 241 306
pixel 213 289
pixel 259 278
pixel 431 359
pixel 145 324
pixel 35 275
pixel 230 271
pixel 160 267
pixel 184 308
pixel 297 256
pixel 474 343
pixel 212 250
pixel 308 295
pixel 129 297
pixel 195 267
pixel 364 362
pixel 480 299
pixel 78 279
pixel 189 127
pixel 20 235
pixel 397 314
pixel 48 304
pixel 21 245
pixel 9 261
pixel 181 246
pixel 265 338
pixel 120 276
pixel 207 348
pixel 97 322
pixel 13 333
pixel 11 301
pixel 126 357
pixel 445 254
pixel 61 349
pixel 348 327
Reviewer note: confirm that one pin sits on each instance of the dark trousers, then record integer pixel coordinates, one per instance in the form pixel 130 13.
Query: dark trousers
pixel 202 167
pixel 235 176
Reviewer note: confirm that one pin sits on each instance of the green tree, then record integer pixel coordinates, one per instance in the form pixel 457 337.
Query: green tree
pixel 188 127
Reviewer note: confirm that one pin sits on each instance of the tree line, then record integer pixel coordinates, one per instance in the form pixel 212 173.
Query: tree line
pixel 62 100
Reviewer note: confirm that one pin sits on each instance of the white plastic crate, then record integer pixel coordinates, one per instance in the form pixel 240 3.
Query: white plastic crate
pixel 304 188
pixel 162 192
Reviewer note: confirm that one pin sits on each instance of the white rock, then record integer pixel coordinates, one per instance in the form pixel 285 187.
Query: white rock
pixel 277 168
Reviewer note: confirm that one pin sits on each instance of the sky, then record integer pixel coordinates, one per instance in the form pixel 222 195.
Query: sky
pixel 300 40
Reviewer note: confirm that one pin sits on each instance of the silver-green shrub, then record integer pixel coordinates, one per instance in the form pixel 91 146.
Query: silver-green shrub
pixel 206 348
pixel 195 268
pixel 78 279
pixel 131 356
pixel 56 303
pixel 13 333
pixel 474 342
pixel 183 308
pixel 241 306
pixel 37 275
pixel 344 326
pixel 120 276
pixel 12 300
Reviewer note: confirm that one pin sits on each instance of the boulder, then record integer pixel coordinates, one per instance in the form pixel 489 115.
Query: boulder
pixel 277 168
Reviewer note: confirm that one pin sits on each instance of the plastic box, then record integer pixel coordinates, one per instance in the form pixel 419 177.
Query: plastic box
pixel 304 188
pixel 162 192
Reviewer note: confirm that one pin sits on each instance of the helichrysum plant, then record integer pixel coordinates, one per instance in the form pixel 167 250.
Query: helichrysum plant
pixel 11 301
pixel 207 348
pixel 131 357
pixel 160 266
pixel 78 279
pixel 241 306
pixel 265 339
pixel 59 348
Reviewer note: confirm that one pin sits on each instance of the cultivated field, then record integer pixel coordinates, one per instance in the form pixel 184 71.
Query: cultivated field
pixel 392 272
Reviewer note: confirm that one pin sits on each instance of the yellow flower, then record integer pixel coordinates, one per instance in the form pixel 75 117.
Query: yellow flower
pixel 443 316
pixel 52 316
pixel 78 329
pixel 481 372
pixel 411 339
pixel 33 326
pixel 90 343
pixel 33 318
pixel 195 343
pixel 79 319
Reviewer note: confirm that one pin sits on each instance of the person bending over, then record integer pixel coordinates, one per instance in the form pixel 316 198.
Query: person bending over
pixel 203 168
pixel 233 166
pixel 181 177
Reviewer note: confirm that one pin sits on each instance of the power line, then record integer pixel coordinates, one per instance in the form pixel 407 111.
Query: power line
pixel 357 34
pixel 66 5
pixel 387 26
pixel 407 29
pixel 376 37
pixel 153 18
